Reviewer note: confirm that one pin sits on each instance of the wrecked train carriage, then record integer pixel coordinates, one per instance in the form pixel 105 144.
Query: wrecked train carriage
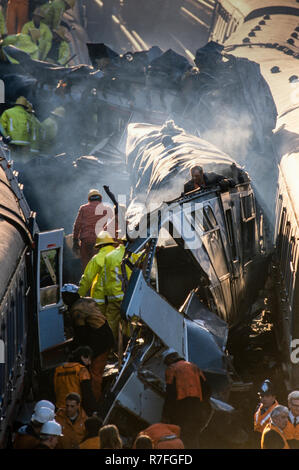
pixel 268 35
pixel 201 257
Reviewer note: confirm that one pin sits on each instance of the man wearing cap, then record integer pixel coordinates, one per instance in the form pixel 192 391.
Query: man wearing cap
pixel 60 52
pixel 184 396
pixel 39 32
pixel 28 435
pixel 90 328
pixel 267 403
pixel 49 435
pixel 51 131
pixel 15 122
pixel 93 277
pixel 54 11
pixel 292 428
pixel 88 219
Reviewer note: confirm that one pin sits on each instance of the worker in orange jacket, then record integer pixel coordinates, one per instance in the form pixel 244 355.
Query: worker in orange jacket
pixel 263 412
pixel 91 439
pixel 291 430
pixel 74 376
pixel 163 436
pixel 184 397
pixel 16 15
pixel 72 420
pixel 273 436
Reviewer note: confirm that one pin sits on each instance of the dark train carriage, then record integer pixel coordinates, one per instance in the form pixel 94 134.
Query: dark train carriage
pixel 30 281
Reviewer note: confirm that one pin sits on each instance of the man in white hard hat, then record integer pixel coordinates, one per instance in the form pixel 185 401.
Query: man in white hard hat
pixel 44 404
pixel 28 435
pixel 49 435
pixel 90 220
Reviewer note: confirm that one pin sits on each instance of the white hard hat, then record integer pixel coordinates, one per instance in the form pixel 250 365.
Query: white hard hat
pixel 42 415
pixel 72 288
pixel 44 404
pixel 167 352
pixel 52 428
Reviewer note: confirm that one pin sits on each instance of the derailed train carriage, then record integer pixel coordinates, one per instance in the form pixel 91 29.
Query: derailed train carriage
pixel 30 299
pixel 203 259
pixel 267 33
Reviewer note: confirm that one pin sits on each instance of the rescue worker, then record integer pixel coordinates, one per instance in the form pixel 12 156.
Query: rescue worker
pixel 143 442
pixel 16 122
pixel 184 396
pixel 52 130
pixel 199 179
pixel 44 404
pixel 74 376
pixel 93 277
pixel 39 33
pixel 292 428
pixel 163 436
pixel 28 435
pixel 91 439
pixel 87 224
pixel 49 435
pixel 3 29
pixel 54 11
pixel 16 15
pixel 72 419
pixel 60 52
pixel 267 403
pixel 273 436
pixel 90 328
pixel 114 287
pixel 22 42
pixel 35 130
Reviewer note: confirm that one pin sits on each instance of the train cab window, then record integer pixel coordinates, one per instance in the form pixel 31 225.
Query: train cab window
pixel 247 207
pixel 231 233
pixel 49 277
pixel 209 217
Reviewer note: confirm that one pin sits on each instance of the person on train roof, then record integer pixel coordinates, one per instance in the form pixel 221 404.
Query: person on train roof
pixel 201 180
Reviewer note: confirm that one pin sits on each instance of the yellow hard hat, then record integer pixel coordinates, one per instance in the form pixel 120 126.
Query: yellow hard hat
pixel 71 3
pixel 38 12
pixel 59 112
pixel 103 238
pixel 94 192
pixel 22 100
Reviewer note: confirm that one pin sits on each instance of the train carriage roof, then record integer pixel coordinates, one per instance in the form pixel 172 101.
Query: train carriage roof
pixel 11 240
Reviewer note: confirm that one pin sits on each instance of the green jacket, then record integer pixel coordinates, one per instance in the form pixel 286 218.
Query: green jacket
pixel 35 133
pixel 53 13
pixel 93 276
pixel 23 42
pixel 17 124
pixel 45 40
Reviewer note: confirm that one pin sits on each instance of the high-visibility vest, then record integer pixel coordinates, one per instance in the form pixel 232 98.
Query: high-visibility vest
pixel 35 133
pixel 93 277
pixel 187 376
pixel 53 12
pixel 291 431
pixel 269 427
pixel 262 419
pixel 45 40
pixel 16 124
pixel 67 379
pixel 113 273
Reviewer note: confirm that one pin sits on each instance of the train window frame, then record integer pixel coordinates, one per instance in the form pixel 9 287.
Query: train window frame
pixel 243 201
pixel 231 234
pixel 51 289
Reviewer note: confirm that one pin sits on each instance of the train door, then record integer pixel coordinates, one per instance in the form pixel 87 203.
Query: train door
pixel 48 288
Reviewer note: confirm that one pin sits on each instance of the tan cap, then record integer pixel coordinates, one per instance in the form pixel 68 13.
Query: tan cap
pixel 38 12
pixel 59 112
pixel 94 192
